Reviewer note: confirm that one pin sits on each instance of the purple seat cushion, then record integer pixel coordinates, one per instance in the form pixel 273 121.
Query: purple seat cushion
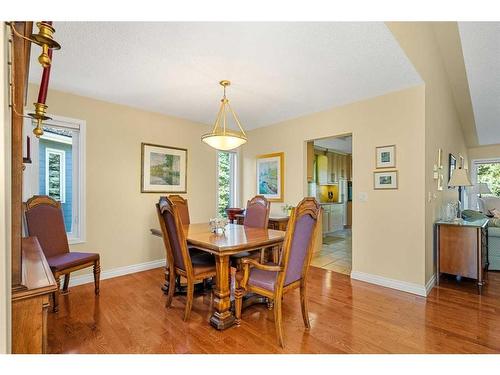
pixel 68 260
pixel 263 279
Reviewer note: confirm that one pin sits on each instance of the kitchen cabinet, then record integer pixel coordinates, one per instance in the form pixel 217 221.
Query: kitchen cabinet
pixel 310 161
pixel 333 217
pixel 322 165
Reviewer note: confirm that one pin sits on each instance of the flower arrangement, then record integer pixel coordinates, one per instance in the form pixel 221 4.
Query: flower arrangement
pixel 287 209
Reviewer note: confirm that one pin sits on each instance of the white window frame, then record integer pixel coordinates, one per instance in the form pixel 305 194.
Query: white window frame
pixel 474 166
pixel 234 198
pixel 31 177
pixel 62 171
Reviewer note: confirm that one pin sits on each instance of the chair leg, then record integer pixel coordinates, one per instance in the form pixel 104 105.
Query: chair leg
pixel 303 303
pixel 171 289
pixel 55 295
pixel 278 321
pixel 189 299
pixel 66 284
pixel 97 276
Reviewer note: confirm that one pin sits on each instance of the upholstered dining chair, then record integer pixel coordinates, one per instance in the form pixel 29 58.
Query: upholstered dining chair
pixel 183 208
pixel 273 280
pixel 256 216
pixel 178 255
pixel 44 220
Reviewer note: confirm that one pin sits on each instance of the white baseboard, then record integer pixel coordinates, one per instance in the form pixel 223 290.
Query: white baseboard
pixel 115 272
pixel 404 286
pixel 430 284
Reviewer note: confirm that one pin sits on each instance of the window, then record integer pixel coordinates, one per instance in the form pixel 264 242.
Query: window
pixel 487 171
pixel 55 174
pixel 58 170
pixel 226 181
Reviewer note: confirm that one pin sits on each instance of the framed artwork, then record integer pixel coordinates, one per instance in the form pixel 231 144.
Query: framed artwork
pixel 385 156
pixel 271 177
pixel 385 180
pixel 452 165
pixel 163 169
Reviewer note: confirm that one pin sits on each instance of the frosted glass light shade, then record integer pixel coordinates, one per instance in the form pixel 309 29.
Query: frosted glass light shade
pixel 222 142
pixel 483 188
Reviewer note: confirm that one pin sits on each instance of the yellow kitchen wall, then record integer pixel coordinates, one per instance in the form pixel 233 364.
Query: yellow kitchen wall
pixel 388 229
pixel 484 152
pixel 442 123
pixel 119 216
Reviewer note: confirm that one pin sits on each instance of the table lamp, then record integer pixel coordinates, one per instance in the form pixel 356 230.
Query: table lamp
pixel 459 178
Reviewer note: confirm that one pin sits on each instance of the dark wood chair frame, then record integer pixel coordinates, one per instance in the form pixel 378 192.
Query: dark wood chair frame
pixel 308 206
pixel 174 271
pixel 38 200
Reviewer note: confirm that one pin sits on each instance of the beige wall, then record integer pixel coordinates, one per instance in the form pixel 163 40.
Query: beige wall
pixel 4 200
pixel 118 214
pixel 388 229
pixel 442 125
pixel 484 152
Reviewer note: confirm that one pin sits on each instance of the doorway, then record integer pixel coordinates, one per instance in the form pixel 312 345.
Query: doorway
pixel 329 179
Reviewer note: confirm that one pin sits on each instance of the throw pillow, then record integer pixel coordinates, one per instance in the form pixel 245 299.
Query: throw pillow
pixel 496 213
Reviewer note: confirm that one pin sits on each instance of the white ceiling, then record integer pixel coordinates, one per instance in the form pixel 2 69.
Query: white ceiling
pixel 481 49
pixel 279 70
pixel 342 144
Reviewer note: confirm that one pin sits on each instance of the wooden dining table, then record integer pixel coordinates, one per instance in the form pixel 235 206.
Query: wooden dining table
pixel 235 239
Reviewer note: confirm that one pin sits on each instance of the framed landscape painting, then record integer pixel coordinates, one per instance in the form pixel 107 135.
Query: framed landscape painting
pixel 270 176
pixel 385 180
pixel 163 169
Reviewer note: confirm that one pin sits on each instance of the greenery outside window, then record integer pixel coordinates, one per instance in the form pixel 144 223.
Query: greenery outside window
pixel 226 181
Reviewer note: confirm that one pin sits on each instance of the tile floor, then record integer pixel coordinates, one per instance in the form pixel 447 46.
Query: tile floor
pixel 336 253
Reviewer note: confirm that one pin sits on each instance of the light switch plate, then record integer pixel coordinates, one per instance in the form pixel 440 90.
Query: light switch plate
pixel 363 196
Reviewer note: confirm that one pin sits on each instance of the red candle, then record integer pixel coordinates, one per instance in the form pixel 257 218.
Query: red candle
pixel 44 85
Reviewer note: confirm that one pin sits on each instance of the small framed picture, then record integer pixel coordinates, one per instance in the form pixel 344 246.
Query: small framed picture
pixel 385 180
pixel 386 156
pixel 163 169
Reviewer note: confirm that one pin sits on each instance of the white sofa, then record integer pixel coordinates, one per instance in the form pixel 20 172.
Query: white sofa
pixel 488 203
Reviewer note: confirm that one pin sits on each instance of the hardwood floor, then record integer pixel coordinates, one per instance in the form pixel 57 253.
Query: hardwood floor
pixel 347 316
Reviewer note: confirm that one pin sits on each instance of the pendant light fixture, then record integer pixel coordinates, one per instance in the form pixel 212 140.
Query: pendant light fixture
pixel 220 137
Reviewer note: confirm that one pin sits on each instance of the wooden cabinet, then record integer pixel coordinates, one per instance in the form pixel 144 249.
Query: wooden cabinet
pixel 348 224
pixel 462 249
pixel 310 161
pixel 30 303
pixel 322 166
pixel 333 217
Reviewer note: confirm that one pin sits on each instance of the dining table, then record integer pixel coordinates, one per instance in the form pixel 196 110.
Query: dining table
pixel 234 239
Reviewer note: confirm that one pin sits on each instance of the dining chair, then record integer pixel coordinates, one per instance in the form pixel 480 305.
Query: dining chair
pixel 256 216
pixel 178 255
pixel 183 208
pixel 273 280
pixel 44 220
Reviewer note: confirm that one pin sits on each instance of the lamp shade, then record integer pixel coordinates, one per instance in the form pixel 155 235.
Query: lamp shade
pixel 483 188
pixel 460 177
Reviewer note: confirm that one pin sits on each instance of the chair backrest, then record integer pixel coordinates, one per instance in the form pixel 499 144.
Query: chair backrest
pixel 299 241
pixel 257 212
pixel 173 235
pixel 182 207
pixel 44 220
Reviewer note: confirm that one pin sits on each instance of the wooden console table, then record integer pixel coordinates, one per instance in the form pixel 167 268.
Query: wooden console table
pixel 462 249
